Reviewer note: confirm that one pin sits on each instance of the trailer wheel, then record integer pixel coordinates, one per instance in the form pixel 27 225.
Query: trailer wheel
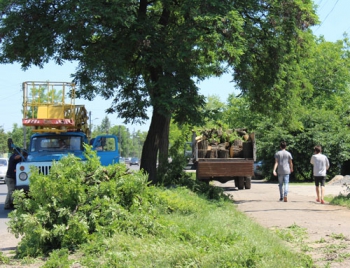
pixel 248 183
pixel 240 183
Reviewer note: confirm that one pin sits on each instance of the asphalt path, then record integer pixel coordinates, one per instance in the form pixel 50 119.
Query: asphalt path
pixel 3 213
pixel 7 240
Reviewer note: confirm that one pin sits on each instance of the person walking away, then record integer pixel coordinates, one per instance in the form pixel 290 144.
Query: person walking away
pixel 10 179
pixel 320 166
pixel 282 168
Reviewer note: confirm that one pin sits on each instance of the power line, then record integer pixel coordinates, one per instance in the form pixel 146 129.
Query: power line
pixel 327 15
pixel 319 5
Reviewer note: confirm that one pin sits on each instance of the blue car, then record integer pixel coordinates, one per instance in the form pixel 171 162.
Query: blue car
pixel 134 161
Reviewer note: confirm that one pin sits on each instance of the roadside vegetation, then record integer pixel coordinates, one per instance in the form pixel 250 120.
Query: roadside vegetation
pixel 109 217
pixel 326 251
pixel 342 199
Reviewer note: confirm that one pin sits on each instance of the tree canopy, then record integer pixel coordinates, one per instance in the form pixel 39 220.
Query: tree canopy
pixel 323 118
pixel 146 53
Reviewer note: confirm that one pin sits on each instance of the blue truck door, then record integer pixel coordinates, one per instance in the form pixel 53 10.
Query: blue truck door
pixel 107 149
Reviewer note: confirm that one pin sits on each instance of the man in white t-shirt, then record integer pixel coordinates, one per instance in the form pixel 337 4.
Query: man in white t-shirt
pixel 321 165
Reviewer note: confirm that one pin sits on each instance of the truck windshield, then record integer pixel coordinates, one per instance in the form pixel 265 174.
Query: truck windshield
pixel 56 143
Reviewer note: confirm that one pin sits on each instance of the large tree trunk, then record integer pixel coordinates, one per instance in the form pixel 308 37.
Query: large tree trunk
pixel 157 139
pixel 164 142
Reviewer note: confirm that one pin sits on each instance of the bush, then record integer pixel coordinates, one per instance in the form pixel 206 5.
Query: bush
pixel 83 202
pixel 73 202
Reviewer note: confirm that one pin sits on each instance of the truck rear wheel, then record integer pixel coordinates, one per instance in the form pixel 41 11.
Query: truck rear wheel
pixel 240 183
pixel 248 183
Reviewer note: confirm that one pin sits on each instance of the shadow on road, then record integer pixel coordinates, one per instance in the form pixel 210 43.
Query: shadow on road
pixel 229 188
pixel 3 213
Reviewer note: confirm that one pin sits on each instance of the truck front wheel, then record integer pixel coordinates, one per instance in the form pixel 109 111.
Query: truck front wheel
pixel 248 182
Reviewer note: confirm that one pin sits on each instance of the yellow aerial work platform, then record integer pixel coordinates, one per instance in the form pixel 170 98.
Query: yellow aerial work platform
pixel 50 107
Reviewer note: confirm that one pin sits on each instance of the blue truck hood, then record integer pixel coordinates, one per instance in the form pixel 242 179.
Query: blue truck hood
pixel 50 156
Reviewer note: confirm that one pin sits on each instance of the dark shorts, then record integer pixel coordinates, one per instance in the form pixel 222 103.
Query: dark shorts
pixel 320 180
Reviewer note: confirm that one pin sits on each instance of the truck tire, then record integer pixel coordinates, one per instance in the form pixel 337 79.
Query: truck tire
pixel 240 183
pixel 248 183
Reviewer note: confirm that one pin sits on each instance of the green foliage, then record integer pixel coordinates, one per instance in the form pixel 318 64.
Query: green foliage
pixel 80 201
pixel 341 199
pixel 76 200
pixel 270 75
pixel 195 237
pixel 144 54
pixel 58 258
pixel 17 135
pixel 105 125
pixel 3 259
pixel 110 217
pixel 294 234
pixel 323 119
pixel 3 142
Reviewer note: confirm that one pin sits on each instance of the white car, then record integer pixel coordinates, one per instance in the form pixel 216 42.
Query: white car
pixel 3 168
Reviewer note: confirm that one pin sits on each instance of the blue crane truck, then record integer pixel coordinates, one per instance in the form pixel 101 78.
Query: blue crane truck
pixel 60 128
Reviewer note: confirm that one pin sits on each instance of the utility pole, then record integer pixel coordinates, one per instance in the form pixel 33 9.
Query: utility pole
pixel 90 127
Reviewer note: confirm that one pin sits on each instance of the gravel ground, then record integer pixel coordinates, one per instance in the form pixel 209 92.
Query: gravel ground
pixel 340 180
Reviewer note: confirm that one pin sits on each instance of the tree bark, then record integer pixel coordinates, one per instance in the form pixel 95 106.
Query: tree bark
pixel 157 140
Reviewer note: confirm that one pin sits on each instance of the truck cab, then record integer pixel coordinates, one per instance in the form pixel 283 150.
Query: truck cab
pixel 48 147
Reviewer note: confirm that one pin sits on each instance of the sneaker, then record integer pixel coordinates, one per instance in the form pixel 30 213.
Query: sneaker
pixel 322 202
pixel 285 199
pixel 281 199
pixel 317 200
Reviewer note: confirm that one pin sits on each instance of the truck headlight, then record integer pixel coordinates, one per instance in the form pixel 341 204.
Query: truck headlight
pixel 23 176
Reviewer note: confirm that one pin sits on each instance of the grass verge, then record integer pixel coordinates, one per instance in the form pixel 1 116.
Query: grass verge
pixel 191 232
pixel 213 234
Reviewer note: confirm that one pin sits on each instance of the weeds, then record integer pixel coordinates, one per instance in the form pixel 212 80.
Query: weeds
pixel 342 200
pixel 322 240
pixel 58 258
pixel 292 234
pixel 338 236
pixel 3 258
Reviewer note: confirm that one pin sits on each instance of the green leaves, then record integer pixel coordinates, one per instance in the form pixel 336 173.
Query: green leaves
pixel 145 54
pixel 74 201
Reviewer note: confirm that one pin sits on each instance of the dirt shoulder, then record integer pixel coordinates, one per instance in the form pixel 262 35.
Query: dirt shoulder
pixel 327 226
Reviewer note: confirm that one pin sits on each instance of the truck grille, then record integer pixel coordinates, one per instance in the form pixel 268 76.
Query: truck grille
pixel 44 169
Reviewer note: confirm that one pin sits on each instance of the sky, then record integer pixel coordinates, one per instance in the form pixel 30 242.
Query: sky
pixel 334 19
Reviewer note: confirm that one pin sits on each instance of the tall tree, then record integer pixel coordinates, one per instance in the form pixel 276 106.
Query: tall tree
pixel 324 118
pixel 151 53
pixel 277 37
pixel 3 142
pixel 105 125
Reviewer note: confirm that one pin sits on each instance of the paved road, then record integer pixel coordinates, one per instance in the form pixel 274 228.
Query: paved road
pixel 7 240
